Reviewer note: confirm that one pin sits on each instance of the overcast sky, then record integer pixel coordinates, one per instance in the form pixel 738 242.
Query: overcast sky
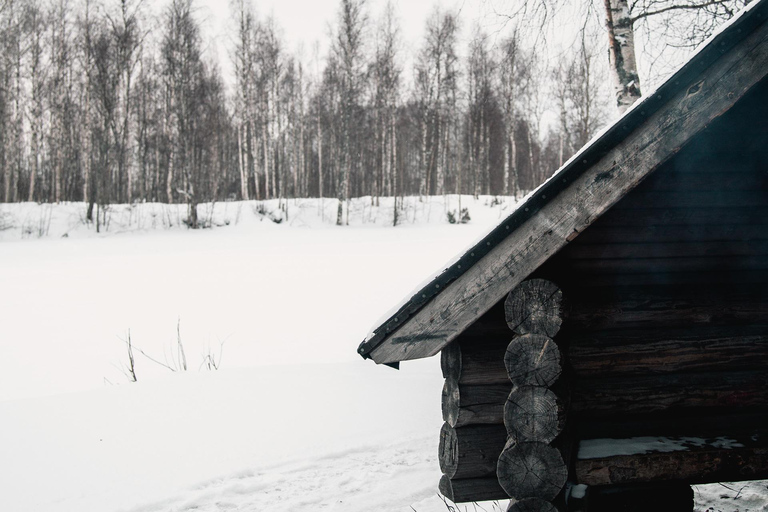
pixel 306 22
pixel 309 20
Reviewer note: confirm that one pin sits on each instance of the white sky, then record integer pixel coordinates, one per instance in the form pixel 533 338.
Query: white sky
pixel 306 22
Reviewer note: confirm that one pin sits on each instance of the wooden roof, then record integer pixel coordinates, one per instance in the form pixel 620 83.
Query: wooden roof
pixel 651 132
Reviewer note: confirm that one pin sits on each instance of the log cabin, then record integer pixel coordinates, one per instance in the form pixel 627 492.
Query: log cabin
pixel 606 345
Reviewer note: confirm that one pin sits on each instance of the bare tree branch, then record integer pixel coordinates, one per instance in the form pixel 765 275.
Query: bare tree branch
pixel 678 7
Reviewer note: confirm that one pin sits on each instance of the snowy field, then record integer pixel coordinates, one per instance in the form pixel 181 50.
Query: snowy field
pixel 292 420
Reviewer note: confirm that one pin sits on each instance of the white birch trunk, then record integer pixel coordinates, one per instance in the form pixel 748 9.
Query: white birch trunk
pixel 623 66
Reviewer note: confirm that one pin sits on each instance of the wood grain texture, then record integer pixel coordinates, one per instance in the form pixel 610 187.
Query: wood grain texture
pixel 535 306
pixel 711 175
pixel 698 264
pixel 472 404
pixel 654 233
pixel 533 360
pixel 723 276
pixel 466 363
pixel 739 215
pixel 696 465
pixel 667 351
pixel 531 470
pixel 684 199
pixel 597 397
pixel 691 249
pixel 561 218
pixel 668 307
pixel 534 413
pixel 472 451
pixel 464 490
pixel 531 505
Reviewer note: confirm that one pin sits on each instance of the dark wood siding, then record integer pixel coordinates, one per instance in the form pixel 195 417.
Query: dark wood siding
pixel 668 292
pixel 669 288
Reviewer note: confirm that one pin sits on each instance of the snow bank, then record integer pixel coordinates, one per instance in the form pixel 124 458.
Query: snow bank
pixel 294 420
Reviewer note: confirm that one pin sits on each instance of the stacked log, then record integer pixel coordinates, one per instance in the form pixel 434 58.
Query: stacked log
pixel 661 460
pixel 530 469
pixel 473 435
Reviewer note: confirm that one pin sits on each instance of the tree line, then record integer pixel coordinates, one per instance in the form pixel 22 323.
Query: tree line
pixel 103 103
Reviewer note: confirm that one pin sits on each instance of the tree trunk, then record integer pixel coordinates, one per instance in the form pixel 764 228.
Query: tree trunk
pixel 241 165
pixel 621 43
pixel 319 157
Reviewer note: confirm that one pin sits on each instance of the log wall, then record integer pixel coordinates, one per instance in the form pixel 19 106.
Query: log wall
pixel 666 323
pixel 669 288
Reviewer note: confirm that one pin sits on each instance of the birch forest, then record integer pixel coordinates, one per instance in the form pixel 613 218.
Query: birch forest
pixel 103 102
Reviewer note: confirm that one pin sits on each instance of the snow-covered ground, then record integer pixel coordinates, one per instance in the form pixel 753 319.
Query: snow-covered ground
pixel 292 420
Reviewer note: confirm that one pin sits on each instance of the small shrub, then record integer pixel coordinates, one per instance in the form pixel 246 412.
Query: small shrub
pixel 455 218
pixel 261 210
pixel 6 221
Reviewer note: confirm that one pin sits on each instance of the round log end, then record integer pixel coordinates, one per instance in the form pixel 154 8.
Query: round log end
pixel 533 360
pixel 450 361
pixel 534 413
pixel 531 470
pixel 445 487
pixel 450 402
pixel 448 451
pixel 535 306
pixel 531 505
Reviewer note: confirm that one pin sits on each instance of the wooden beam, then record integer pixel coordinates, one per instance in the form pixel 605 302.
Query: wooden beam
pixel 695 104
pixel 631 251
pixel 702 264
pixel 688 199
pixel 471 405
pixel 470 452
pixel 595 398
pixel 474 364
pixel 700 232
pixel 740 215
pixel 667 351
pixel 640 312
pixel 724 276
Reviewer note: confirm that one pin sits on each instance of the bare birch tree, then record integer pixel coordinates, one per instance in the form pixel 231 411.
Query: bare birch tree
pixel 348 47
pixel 662 18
